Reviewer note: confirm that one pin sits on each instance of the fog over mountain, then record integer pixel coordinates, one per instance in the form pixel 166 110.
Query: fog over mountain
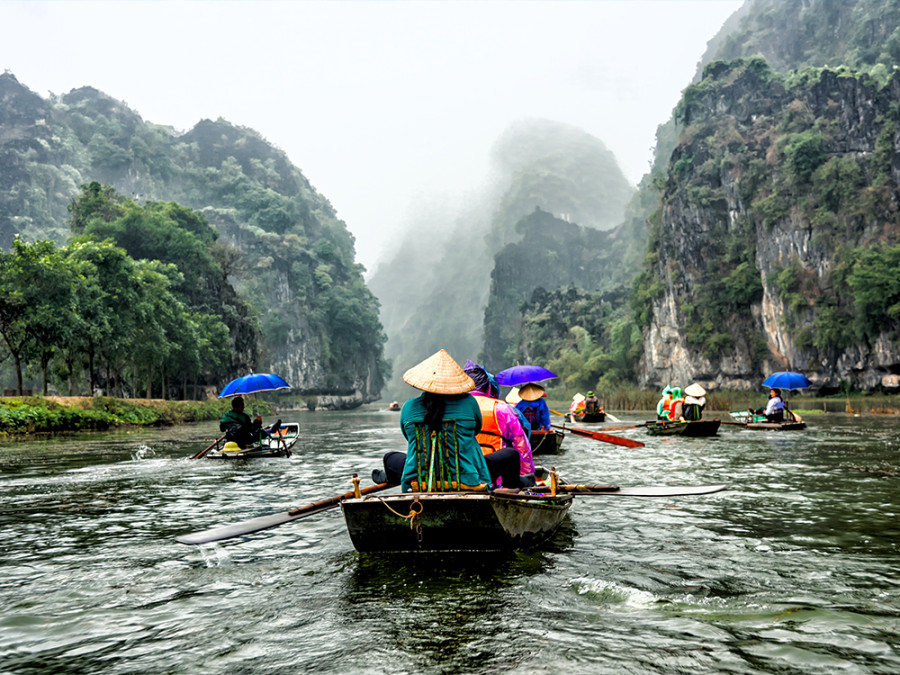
pixel 383 105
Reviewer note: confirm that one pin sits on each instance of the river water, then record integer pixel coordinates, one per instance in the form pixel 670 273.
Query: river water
pixel 794 569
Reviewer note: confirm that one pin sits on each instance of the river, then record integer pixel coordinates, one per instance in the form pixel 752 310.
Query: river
pixel 793 569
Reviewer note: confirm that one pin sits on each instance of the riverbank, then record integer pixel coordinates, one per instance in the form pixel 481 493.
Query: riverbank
pixel 43 414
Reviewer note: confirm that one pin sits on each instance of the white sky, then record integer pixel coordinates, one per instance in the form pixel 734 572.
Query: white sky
pixel 379 103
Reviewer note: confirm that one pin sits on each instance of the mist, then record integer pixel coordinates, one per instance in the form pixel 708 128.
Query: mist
pixel 384 106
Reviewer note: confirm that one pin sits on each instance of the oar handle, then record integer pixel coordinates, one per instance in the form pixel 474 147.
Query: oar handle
pixel 332 501
pixel 208 448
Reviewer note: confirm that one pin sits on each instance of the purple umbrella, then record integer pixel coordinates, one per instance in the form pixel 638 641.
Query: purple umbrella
pixel 513 377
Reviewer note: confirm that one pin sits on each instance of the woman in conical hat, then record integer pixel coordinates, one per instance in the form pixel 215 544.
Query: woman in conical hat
pixel 445 396
pixel 534 407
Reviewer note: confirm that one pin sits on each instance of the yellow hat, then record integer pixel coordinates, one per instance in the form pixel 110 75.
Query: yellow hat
pixel 531 392
pixel 439 374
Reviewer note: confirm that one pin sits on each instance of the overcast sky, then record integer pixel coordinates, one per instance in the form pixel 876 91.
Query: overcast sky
pixel 380 104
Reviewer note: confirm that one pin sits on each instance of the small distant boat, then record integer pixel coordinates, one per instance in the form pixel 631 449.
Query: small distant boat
pixel 279 444
pixel 586 418
pixel 394 406
pixel 755 421
pixel 694 428
pixel 547 442
pixel 453 521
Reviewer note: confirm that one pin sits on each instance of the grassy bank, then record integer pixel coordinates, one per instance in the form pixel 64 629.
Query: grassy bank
pixel 36 414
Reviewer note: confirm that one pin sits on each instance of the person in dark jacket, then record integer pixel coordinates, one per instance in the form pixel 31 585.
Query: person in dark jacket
pixel 238 426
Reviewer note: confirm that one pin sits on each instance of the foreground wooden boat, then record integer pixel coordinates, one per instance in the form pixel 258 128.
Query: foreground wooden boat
pixel 447 521
pixel 278 445
pixel 453 521
pixel 695 428
pixel 547 442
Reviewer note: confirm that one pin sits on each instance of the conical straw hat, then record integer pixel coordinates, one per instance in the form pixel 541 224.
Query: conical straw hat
pixel 531 392
pixel 695 390
pixel 439 374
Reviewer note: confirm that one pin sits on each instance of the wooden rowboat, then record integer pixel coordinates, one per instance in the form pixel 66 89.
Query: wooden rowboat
pixel 278 445
pixel 453 521
pixel 759 422
pixel 546 442
pixel 777 426
pixel 446 521
pixel 586 418
pixel 684 428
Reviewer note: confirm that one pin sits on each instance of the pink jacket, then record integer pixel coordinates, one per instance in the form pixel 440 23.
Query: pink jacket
pixel 513 434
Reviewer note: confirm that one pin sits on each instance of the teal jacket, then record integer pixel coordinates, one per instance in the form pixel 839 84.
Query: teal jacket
pixel 465 411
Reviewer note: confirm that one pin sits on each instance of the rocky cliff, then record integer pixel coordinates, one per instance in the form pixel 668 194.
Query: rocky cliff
pixel 777 231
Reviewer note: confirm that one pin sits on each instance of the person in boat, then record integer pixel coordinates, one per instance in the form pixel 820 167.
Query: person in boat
pixel 533 406
pixel 575 408
pixel 592 404
pixel 662 408
pixel 238 426
pixel 676 405
pixel 694 402
pixel 774 410
pixel 503 439
pixel 444 396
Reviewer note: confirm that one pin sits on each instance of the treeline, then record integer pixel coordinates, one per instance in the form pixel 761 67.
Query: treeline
pixel 137 303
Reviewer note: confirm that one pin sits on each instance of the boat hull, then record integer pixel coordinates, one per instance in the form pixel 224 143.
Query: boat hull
pixel 777 426
pixel 278 446
pixel 457 521
pixel 546 442
pixel 694 428
pixel 759 422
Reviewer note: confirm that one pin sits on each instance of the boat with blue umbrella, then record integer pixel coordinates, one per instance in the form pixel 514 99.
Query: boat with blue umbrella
pixel 785 380
pixel 273 441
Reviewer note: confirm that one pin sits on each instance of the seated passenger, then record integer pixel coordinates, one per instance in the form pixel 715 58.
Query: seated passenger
pixel 444 386
pixel 238 426
pixel 774 410
pixel 534 407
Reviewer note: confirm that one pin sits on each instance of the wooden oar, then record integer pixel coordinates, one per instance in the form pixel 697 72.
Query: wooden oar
pixel 207 449
pixel 637 491
pixel 623 427
pixel 246 527
pixel 600 436
pixel 556 413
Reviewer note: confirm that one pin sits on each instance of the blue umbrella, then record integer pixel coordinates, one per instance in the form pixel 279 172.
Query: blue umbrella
pixel 253 384
pixel 512 377
pixel 787 380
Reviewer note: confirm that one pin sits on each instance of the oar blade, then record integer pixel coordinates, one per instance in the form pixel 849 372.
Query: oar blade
pixel 607 438
pixel 239 529
pixel 642 491
pixel 261 523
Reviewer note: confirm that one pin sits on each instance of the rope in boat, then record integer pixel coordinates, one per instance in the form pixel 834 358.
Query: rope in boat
pixel 411 516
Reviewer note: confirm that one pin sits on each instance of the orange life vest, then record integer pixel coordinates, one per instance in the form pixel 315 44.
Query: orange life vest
pixel 489 438
pixel 668 409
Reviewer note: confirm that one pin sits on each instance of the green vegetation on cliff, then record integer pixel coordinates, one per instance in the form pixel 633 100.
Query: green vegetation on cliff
pixel 280 244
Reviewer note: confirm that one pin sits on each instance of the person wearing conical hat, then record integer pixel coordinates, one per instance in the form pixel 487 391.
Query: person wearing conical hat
pixel 445 396
pixel 533 406
pixel 694 402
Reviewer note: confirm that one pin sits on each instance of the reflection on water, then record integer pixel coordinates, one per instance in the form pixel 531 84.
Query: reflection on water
pixel 794 569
